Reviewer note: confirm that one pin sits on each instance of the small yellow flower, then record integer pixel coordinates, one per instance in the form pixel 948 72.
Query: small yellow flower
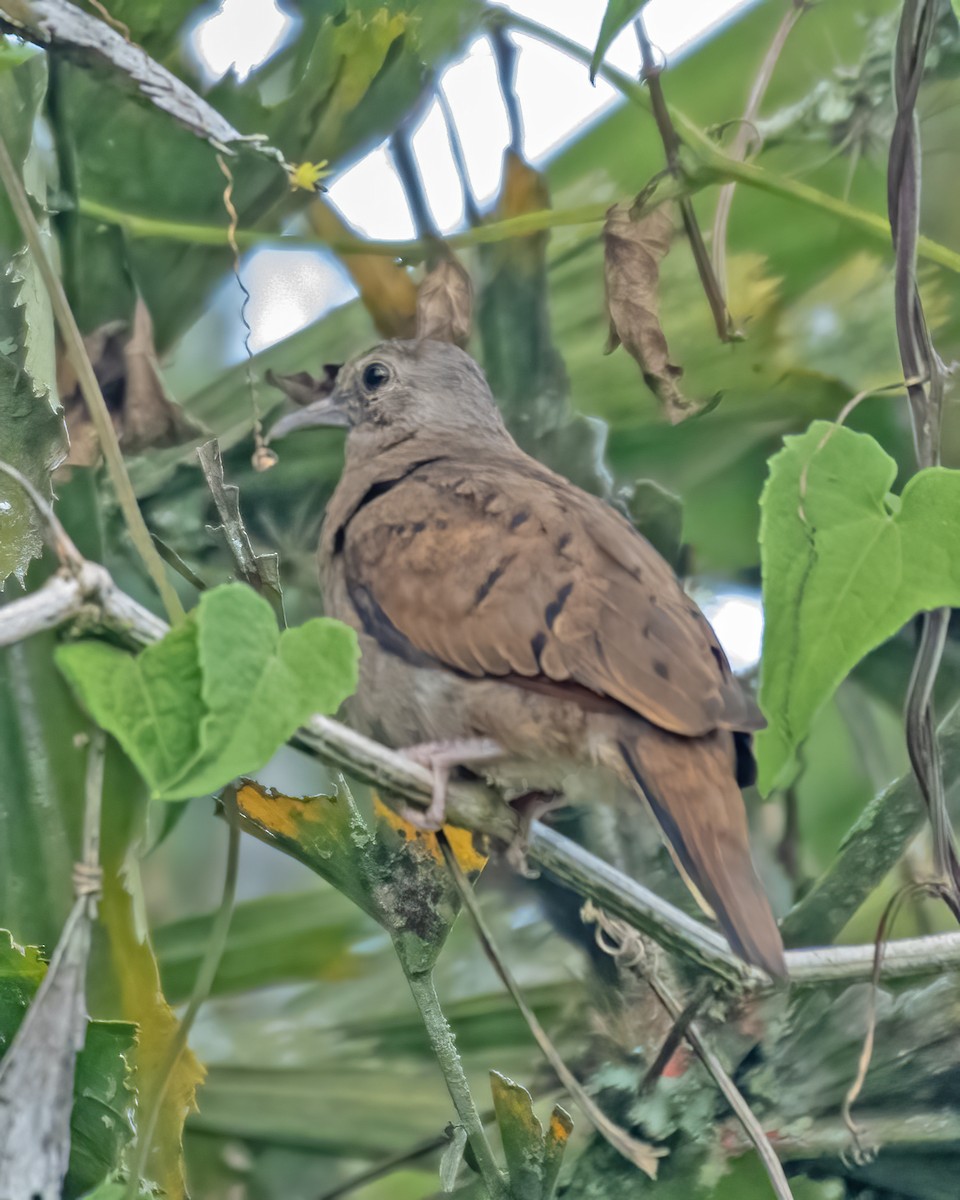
pixel 306 176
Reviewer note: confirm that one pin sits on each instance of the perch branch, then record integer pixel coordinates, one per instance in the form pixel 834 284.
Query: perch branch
pixel 94 596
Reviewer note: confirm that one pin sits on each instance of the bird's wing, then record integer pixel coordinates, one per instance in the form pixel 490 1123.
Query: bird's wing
pixel 502 568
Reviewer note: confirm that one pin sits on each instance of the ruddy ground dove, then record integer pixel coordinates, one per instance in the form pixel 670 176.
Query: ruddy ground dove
pixel 505 615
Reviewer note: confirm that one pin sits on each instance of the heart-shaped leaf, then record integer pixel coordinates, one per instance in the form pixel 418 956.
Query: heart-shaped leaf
pixel 845 565
pixel 218 695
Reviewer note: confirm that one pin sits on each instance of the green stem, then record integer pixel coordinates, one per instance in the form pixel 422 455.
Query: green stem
pixel 410 251
pixel 201 990
pixel 96 406
pixel 445 1049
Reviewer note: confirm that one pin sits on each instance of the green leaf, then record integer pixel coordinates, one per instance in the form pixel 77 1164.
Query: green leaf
pixel 619 14
pixel 845 565
pixel 533 1160
pixel 218 695
pixel 101 1126
pixel 521 1134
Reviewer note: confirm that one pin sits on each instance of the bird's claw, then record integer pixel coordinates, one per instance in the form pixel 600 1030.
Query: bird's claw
pixel 440 758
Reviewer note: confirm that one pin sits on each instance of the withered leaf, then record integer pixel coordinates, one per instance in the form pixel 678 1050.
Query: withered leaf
pixel 302 387
pixel 126 368
pixel 445 303
pixel 150 417
pixel 633 251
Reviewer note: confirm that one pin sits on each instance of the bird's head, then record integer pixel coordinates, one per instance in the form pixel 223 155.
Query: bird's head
pixel 400 390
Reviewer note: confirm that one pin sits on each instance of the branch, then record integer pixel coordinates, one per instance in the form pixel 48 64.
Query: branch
pixel 57 25
pixel 68 595
pixel 479 808
pixel 749 1122
pixel 650 74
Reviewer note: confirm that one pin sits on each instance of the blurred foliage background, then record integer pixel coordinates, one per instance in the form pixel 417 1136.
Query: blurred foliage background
pixel 317 1064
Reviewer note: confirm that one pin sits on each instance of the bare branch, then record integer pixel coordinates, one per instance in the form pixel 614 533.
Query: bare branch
pixel 60 26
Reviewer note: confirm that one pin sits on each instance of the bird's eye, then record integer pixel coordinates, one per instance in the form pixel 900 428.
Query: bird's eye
pixel 375 375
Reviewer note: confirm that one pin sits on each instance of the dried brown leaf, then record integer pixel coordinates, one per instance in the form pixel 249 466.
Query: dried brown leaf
pixel 445 303
pixel 125 365
pixel 302 387
pixel 633 251
pixel 150 417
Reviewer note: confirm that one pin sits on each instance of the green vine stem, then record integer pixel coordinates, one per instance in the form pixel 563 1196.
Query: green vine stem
pixel 96 405
pixel 445 1049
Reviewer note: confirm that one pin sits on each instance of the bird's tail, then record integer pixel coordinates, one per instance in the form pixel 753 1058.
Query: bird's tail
pixel 690 783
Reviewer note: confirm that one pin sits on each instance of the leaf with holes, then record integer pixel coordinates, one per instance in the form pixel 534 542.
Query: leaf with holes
pixel 846 563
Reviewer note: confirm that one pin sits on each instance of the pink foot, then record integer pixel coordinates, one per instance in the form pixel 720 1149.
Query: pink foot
pixel 441 758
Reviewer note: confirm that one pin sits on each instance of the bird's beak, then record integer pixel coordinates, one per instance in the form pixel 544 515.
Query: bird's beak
pixel 329 411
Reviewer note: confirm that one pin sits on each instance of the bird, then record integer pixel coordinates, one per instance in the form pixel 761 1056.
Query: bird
pixel 506 617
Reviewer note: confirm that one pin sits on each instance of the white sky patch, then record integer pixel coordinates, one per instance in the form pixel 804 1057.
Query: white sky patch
pixel 290 289
pixel 737 619
pixel 240 35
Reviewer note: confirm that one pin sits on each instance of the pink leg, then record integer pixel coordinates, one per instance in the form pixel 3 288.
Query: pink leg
pixel 441 758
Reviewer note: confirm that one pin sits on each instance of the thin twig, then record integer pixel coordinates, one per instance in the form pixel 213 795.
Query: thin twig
pixel 505 56
pixel 732 1094
pixel 90 388
pixel 408 171
pixel 617 939
pixel 641 1154
pixel 650 74
pixel 206 973
pixel 887 921
pixel 54 533
pixel 471 209
pixel 747 131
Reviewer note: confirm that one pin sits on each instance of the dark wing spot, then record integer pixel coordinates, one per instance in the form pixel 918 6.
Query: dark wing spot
pixel 440 523
pixel 537 643
pixel 418 527
pixel 379 626
pixel 646 631
pixel 721 658
pixel 661 668
pixel 338 539
pixel 563 541
pixel 555 607
pixel 518 519
pixel 483 591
